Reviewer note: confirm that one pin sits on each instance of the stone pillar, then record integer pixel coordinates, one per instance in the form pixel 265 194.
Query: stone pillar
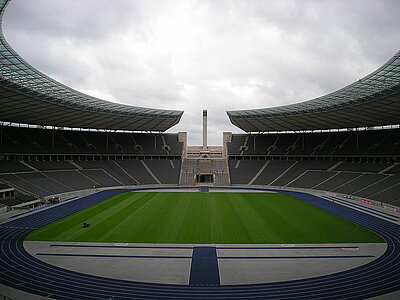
pixel 204 129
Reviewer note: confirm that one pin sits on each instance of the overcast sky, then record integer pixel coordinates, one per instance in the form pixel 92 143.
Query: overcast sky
pixel 193 55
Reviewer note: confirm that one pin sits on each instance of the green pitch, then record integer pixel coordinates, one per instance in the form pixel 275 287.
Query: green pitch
pixel 205 218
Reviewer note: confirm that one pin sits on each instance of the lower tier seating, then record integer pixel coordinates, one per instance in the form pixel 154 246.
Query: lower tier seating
pixel 42 179
pixel 376 181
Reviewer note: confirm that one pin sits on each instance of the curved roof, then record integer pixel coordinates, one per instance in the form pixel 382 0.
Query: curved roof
pixel 29 96
pixel 371 101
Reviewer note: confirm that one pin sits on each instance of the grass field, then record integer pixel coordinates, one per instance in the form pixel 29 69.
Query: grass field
pixel 205 218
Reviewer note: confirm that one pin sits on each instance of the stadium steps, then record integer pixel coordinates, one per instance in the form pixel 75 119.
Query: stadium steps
pixel 283 173
pixel 244 146
pixel 59 182
pixel 388 168
pixel 228 179
pixel 102 177
pixel 164 147
pixel 218 167
pixel 325 180
pixel 259 172
pixel 272 171
pixel 40 191
pixel 221 171
pixel 320 146
pixel 125 172
pixel 360 182
pixel 129 170
pixel 109 174
pixel 339 179
pixel 274 145
pixel 378 144
pixel 339 145
pixel 87 177
pixel 172 164
pixel 373 189
pixel 369 185
pixel 167 171
pixel 386 189
pixel 295 179
pixel 335 165
pixel 310 178
pixel 293 145
pixel 337 188
pixel 150 172
pixel 237 164
pixel 186 175
pixel 44 181
pixel 29 166
pixel 76 165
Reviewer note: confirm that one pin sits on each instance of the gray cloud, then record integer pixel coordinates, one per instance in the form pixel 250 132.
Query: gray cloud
pixel 193 55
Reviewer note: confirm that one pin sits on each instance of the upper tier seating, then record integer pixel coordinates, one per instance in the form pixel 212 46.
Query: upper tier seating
pixel 51 165
pixel 363 167
pixel 44 141
pixel 372 142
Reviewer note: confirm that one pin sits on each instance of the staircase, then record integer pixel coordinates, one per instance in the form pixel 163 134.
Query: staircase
pixel 221 172
pixel 187 172
pixel 191 167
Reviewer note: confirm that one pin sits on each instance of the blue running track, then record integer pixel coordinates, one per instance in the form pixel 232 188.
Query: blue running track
pixel 22 271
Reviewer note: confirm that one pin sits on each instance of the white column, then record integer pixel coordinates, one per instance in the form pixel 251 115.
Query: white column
pixel 204 129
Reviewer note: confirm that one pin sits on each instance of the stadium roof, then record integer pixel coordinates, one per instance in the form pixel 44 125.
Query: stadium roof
pixel 371 101
pixel 28 96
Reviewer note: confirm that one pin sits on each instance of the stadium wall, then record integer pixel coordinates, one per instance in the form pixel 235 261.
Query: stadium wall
pixel 373 203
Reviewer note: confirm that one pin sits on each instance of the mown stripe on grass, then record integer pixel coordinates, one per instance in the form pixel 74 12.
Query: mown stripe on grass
pixel 205 218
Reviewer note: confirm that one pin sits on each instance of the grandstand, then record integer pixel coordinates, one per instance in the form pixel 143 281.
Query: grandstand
pixel 359 163
pixel 58 142
pixel 346 142
pixel 43 162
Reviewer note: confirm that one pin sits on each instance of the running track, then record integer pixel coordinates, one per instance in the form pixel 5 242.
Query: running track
pixel 20 270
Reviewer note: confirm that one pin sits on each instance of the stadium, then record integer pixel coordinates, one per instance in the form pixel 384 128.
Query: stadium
pixel 98 202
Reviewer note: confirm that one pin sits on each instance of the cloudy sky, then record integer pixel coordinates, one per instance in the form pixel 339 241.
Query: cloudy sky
pixel 192 55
